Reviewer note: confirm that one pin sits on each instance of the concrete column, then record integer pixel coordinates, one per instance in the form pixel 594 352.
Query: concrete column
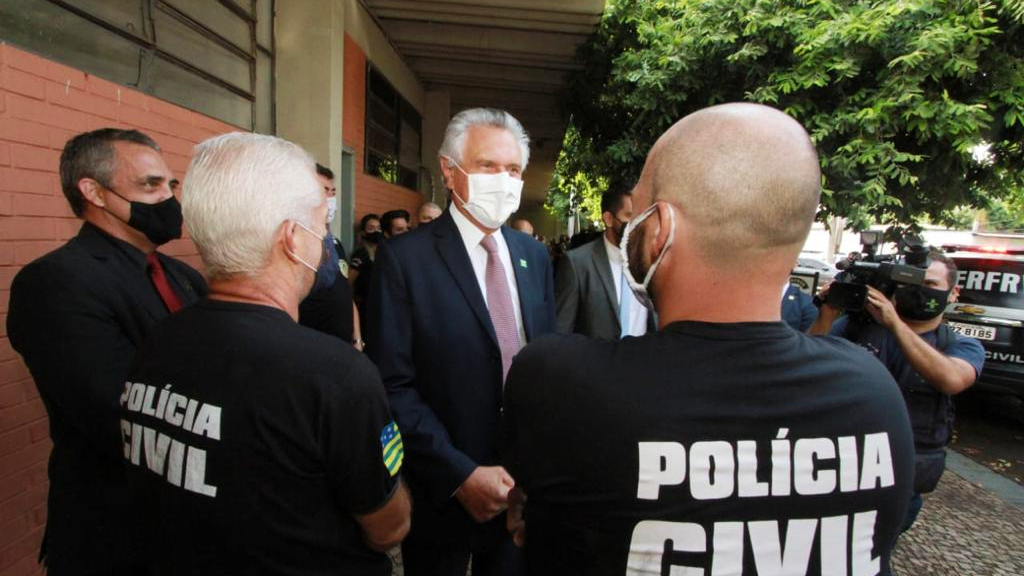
pixel 310 41
pixel 437 111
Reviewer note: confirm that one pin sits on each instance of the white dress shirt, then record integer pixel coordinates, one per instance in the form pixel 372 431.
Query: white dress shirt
pixel 471 237
pixel 637 311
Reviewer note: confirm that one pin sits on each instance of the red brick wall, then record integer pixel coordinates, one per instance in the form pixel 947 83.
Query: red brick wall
pixel 373 195
pixel 42 104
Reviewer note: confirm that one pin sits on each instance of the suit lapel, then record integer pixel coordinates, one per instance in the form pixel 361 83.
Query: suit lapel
pixel 187 291
pixel 604 272
pixel 520 267
pixel 452 250
pixel 103 248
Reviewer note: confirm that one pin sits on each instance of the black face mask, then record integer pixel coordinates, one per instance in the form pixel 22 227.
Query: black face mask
pixel 374 237
pixel 160 222
pixel 920 303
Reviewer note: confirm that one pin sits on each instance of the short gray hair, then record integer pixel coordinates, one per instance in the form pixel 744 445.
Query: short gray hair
pixel 238 190
pixel 455 135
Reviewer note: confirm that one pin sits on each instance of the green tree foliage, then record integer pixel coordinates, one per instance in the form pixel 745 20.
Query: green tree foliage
pixel 895 93
pixel 573 189
pixel 1007 215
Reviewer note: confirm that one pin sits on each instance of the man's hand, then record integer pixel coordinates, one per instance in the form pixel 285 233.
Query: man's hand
pixel 827 313
pixel 485 493
pixel 881 309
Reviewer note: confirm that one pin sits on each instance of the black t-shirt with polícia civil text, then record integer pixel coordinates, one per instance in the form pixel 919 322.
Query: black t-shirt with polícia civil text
pixel 728 448
pixel 251 442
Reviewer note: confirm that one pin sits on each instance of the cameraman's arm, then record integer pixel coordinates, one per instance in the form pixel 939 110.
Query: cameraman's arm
pixel 947 375
pixel 827 314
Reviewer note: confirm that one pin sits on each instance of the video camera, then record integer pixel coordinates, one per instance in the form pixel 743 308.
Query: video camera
pixel 883 271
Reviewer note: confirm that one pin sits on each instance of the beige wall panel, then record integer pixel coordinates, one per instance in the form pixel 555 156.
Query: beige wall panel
pixel 379 51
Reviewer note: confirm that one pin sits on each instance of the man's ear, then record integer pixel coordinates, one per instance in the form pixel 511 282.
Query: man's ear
pixel 664 213
pixel 286 235
pixel 954 295
pixel 609 220
pixel 448 173
pixel 92 191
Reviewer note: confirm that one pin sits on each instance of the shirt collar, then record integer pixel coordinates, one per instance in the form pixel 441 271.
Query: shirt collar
pixel 471 235
pixel 614 254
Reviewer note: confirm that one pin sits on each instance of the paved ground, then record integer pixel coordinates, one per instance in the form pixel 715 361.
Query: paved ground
pixel 972 525
pixel 990 430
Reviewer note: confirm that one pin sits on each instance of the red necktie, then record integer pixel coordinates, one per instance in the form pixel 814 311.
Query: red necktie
pixel 156 274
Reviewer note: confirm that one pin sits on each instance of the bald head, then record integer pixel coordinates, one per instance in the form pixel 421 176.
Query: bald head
pixel 523 225
pixel 745 177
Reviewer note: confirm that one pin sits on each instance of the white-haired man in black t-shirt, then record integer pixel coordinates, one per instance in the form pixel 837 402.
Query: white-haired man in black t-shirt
pixel 255 445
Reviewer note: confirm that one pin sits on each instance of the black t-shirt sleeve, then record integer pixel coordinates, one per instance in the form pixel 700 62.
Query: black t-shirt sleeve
pixel 363 447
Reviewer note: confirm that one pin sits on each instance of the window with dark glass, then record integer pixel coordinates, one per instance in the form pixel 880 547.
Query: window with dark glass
pixel 212 56
pixel 393 133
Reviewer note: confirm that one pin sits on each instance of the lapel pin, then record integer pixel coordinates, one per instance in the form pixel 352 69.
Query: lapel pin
pixel 522 262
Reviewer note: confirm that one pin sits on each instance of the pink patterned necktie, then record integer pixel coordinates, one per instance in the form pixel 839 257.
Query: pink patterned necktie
pixel 499 305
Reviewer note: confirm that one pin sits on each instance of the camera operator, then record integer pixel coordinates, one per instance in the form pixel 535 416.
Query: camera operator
pixel 929 361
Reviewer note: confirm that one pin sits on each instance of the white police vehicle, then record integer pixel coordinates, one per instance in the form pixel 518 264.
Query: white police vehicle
pixel 991 309
pixel 810 274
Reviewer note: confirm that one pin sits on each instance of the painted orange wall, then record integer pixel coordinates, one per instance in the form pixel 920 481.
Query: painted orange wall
pixel 373 195
pixel 43 104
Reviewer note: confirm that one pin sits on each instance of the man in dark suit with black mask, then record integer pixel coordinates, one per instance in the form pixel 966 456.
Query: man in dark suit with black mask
pixel 77 315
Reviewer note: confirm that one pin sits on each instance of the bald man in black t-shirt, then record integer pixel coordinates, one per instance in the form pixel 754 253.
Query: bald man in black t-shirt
pixel 726 442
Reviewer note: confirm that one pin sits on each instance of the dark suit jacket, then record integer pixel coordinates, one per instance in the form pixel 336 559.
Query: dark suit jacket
pixel 585 294
pixel 798 309
pixel 76 316
pixel 431 337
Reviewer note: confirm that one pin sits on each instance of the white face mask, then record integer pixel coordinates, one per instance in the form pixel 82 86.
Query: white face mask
pixel 492 197
pixel 332 208
pixel 640 289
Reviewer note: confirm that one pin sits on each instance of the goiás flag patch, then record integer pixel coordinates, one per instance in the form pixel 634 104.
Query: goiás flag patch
pixel 391 444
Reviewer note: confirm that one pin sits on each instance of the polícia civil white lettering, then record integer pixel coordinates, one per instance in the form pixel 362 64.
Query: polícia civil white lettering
pixel 171 414
pixel 782 463
pixel 155 448
pixel 748 485
pixel 147 405
pixel 877 462
pixel 651 539
pixel 195 473
pixel 714 470
pixel 162 403
pixel 774 558
pixel 847 464
pixel 208 422
pixel 190 414
pixel 167 457
pixel 198 417
pixel 661 464
pixel 862 562
pixel 135 397
pixel 808 481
